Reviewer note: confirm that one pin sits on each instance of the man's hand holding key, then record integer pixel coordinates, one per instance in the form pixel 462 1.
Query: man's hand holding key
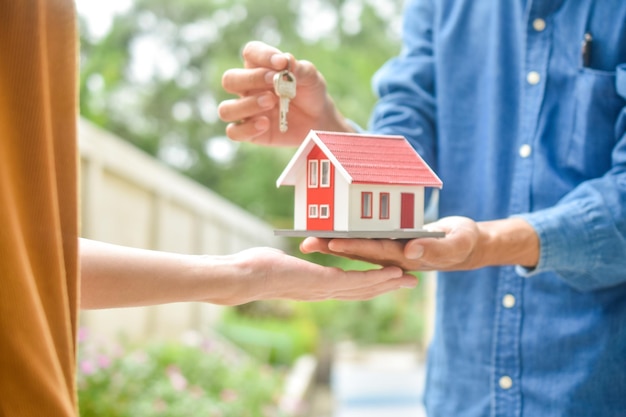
pixel 255 115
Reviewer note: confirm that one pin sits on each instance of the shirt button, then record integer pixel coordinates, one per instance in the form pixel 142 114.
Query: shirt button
pixel 539 24
pixel 533 78
pixel 525 151
pixel 508 301
pixel 505 382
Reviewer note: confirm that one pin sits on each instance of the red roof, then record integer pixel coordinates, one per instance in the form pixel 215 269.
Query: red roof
pixel 378 159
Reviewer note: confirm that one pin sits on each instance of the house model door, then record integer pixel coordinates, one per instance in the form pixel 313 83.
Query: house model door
pixel 407 211
pixel 320 191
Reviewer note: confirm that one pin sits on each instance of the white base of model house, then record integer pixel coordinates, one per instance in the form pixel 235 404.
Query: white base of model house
pixel 360 234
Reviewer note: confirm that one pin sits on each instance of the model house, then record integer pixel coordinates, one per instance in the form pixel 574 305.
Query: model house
pixel 357 185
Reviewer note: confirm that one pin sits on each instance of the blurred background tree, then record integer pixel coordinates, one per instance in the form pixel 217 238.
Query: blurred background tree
pixel 154 79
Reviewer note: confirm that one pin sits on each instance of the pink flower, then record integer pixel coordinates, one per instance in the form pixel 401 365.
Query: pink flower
pixel 87 367
pixel 140 357
pixel 228 395
pixel 159 405
pixel 196 391
pixel 104 361
pixel 83 334
pixel 177 379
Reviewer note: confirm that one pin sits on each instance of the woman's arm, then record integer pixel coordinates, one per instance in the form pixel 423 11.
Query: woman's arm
pixel 118 276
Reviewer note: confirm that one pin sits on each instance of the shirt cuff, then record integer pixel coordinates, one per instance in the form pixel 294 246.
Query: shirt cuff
pixel 524 271
pixel 563 238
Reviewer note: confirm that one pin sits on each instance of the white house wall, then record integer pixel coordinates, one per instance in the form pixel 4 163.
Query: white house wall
pixel 300 209
pixel 375 223
pixel 342 193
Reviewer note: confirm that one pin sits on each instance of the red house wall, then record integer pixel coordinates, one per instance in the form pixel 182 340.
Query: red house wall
pixel 320 195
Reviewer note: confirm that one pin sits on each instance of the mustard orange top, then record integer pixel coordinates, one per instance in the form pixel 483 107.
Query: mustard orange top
pixel 38 208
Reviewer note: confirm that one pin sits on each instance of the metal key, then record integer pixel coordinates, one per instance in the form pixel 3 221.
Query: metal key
pixel 285 89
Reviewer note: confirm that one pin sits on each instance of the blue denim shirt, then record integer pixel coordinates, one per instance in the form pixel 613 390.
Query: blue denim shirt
pixel 497 98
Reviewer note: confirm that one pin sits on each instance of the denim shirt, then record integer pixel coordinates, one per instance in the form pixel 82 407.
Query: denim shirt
pixel 498 98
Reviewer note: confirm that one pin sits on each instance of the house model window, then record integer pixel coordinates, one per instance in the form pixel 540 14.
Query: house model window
pixel 325 177
pixel 384 206
pixel 366 205
pixel 358 185
pixel 313 174
pixel 324 211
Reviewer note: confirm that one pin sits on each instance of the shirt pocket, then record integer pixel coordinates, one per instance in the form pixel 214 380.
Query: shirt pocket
pixel 597 106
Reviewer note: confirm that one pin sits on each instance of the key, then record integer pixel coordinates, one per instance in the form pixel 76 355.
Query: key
pixel 285 89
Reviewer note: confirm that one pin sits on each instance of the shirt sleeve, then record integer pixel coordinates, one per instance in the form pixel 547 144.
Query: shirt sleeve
pixel 405 85
pixel 583 237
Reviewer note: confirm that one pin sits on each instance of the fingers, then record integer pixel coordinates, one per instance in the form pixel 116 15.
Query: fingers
pixel 307 74
pixel 359 285
pixel 248 116
pixel 243 108
pixel 314 244
pixel 341 280
pixel 259 54
pixel 386 279
pixel 414 249
pixel 405 282
pixel 261 62
pixel 249 130
pixel 369 248
pixel 247 81
pixel 378 251
pixel 376 275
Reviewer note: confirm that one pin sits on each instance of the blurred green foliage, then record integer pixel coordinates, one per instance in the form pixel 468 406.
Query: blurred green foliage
pixel 275 332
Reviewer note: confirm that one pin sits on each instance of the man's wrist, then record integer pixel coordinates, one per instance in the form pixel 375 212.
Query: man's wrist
pixel 335 121
pixel 510 241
